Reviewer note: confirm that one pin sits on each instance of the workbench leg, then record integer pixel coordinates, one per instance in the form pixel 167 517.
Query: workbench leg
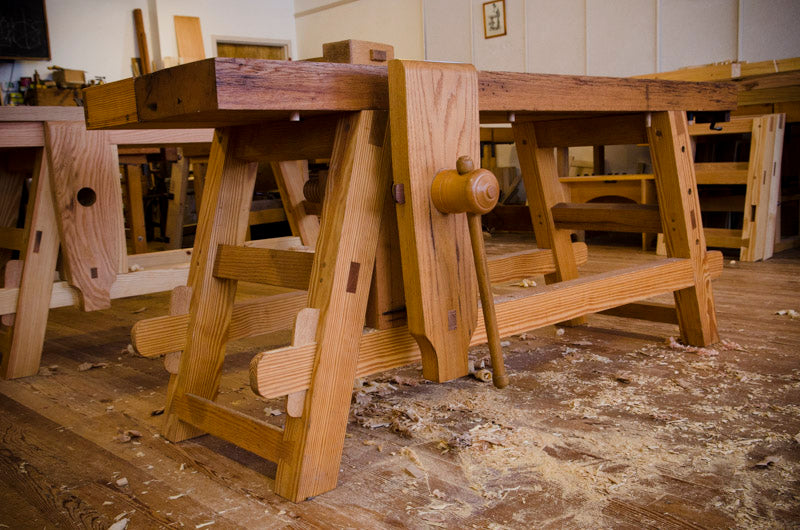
pixel 340 280
pixel 87 197
pixel 676 186
pixel 290 176
pixel 41 239
pixel 11 185
pixel 135 206
pixel 178 183
pixel 540 175
pixel 222 219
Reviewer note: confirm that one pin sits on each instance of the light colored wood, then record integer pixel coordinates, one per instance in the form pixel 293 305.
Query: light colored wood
pixel 160 335
pixel 345 255
pixel 283 268
pixel 544 191
pixel 734 126
pixel 135 207
pixel 180 300
pixel 189 38
pixel 609 217
pixel 282 371
pixel 12 276
pixel 721 172
pixel 290 177
pixel 767 196
pixel 112 106
pixel 92 232
pixel 141 42
pixel 759 178
pixel 255 436
pixel 160 137
pixel 724 237
pixel 32 305
pixel 305 332
pixel 528 263
pixel 41 114
pixel 728 70
pixel 357 52
pixel 434 121
pixel 270 215
pixel 21 134
pixel 670 150
pixel 212 298
pixel 178 185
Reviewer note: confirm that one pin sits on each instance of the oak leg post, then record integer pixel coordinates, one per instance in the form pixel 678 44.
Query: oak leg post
pixel 339 288
pixel 36 285
pixel 676 186
pixel 540 174
pixel 222 219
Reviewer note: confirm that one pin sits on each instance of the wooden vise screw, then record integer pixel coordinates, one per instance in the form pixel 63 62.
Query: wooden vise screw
pixel 474 191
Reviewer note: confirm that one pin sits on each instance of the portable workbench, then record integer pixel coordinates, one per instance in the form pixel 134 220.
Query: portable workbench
pixel 387 133
pixel 75 205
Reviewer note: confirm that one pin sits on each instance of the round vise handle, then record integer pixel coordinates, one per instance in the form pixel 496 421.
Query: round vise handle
pixel 465 190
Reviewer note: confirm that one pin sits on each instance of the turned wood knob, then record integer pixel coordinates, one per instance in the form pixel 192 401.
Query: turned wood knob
pixel 465 189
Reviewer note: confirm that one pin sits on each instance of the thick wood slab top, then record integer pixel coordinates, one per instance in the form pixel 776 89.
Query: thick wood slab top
pixel 223 91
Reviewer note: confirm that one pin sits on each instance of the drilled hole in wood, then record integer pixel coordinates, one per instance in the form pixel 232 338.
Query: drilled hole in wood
pixel 87 196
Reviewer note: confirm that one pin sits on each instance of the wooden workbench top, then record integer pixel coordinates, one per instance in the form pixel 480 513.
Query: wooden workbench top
pixel 223 91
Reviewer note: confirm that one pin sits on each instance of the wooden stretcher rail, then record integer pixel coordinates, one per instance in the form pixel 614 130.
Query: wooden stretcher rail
pixel 255 436
pixel 609 217
pixel 161 335
pixel 287 370
pixel 174 273
pixel 221 91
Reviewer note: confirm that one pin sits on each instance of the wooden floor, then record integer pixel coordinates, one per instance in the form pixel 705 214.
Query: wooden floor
pixel 602 426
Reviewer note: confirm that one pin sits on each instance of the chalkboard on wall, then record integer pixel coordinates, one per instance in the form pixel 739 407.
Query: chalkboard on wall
pixel 23 30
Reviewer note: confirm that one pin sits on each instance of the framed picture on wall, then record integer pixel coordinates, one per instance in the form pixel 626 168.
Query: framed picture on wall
pixel 494 19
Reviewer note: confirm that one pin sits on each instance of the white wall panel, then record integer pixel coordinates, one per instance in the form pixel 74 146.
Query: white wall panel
pixel 694 33
pixel 395 22
pixel 621 37
pixel 556 33
pixel 448 33
pixel 506 53
pixel 770 29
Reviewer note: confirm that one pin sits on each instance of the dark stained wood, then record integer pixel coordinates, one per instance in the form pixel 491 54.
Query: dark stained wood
pixel 609 217
pixel 238 91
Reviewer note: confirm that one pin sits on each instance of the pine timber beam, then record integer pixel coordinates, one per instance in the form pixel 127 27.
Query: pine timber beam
pixel 287 370
pixel 161 335
pixel 306 139
pixel 11 238
pixel 609 217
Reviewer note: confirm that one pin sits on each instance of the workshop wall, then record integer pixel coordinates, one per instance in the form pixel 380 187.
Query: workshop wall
pixel 98 35
pixel 395 22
